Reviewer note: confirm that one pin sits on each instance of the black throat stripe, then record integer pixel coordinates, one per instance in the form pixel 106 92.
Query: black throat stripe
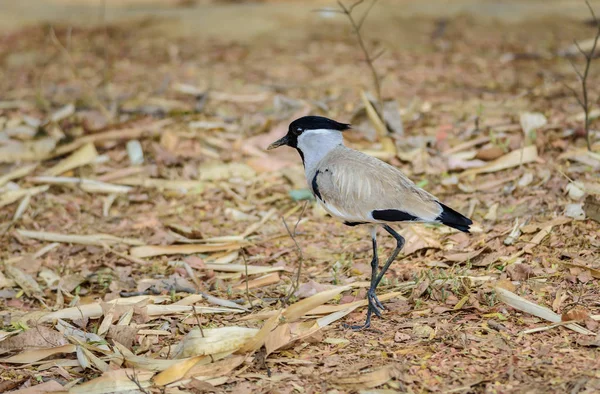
pixel 315 186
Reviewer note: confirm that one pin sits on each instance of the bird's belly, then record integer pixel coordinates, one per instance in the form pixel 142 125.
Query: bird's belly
pixel 339 213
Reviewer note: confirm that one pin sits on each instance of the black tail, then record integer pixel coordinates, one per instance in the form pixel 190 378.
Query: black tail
pixel 453 219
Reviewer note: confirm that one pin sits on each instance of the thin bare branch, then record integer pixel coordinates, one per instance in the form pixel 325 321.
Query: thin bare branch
pixel 584 101
pixel 579 74
pixel 575 94
pixel 356 27
pixel 73 68
pixel 292 235
pixel 243 251
pixel 333 10
pixel 362 19
pixel 135 380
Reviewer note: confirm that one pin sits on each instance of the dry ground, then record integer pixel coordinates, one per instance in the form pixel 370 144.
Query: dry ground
pixel 172 243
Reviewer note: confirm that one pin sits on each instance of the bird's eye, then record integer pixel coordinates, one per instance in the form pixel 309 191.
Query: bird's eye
pixel 298 131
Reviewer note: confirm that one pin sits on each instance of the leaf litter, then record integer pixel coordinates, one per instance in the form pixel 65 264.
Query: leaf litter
pixel 148 253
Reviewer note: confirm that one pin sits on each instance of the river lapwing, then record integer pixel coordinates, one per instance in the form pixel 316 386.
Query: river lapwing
pixel 360 189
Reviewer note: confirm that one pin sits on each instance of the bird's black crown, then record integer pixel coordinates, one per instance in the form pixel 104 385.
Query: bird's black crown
pixel 299 125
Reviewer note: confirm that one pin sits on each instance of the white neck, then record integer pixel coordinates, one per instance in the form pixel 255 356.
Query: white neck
pixel 316 144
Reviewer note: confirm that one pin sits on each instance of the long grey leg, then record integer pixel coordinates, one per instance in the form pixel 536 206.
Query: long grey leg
pixel 399 246
pixel 372 299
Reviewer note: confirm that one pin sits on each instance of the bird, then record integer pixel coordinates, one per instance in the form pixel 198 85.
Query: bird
pixel 359 189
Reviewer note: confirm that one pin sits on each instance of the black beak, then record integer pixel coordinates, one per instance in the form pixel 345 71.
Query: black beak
pixel 282 141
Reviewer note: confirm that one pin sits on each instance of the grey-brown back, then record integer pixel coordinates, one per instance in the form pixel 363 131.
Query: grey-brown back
pixel 351 185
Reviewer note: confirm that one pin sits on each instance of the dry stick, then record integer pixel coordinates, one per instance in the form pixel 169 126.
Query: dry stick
pixel 73 67
pixel 296 285
pixel 201 330
pixel 585 104
pixel 246 269
pixel 135 380
pixel 369 59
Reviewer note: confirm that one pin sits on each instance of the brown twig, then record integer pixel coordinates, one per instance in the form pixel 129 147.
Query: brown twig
pixel 246 278
pixel 292 234
pixel 135 380
pixel 357 26
pixel 73 68
pixel 584 101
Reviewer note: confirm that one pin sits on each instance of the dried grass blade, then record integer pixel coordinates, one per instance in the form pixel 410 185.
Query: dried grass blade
pixel 510 160
pixel 92 239
pixel 115 381
pixel 32 356
pixel 520 303
pixel 155 250
pixel 299 309
pixel 164 184
pixel 252 269
pixel 89 185
pixel 12 196
pixel 17 173
pixel 83 156
pixel 256 342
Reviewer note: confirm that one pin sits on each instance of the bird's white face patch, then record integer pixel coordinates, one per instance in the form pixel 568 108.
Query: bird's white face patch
pixel 315 144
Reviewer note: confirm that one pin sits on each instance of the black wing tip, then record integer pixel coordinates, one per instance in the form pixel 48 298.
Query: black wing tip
pixel 454 219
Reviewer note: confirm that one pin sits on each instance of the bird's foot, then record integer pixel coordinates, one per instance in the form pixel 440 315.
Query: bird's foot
pixel 374 303
pixel 360 327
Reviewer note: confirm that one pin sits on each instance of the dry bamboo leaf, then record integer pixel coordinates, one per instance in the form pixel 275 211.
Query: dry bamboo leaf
pixel 190 300
pixel 155 250
pixel 92 239
pixel 23 205
pixel 164 184
pixel 177 371
pixel 595 273
pixel 299 309
pixel 32 356
pixel 99 364
pixel 252 269
pixel 50 386
pixel 216 369
pixel 224 171
pixel 418 238
pixel 262 281
pixel 327 309
pixel 510 160
pixel 24 280
pixel 527 306
pixel 213 340
pixel 221 302
pixel 159 310
pixel 62 113
pixel 17 173
pixel 255 226
pixel 465 256
pixel 115 381
pixel 12 196
pixel 94 310
pixel 538 238
pixel 256 342
pixel 288 333
pixel 576 314
pixel 89 185
pixel 370 379
pixel 373 116
pixel 81 157
pixel 34 150
pixel 583 156
pixel 36 337
pixel 120 134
